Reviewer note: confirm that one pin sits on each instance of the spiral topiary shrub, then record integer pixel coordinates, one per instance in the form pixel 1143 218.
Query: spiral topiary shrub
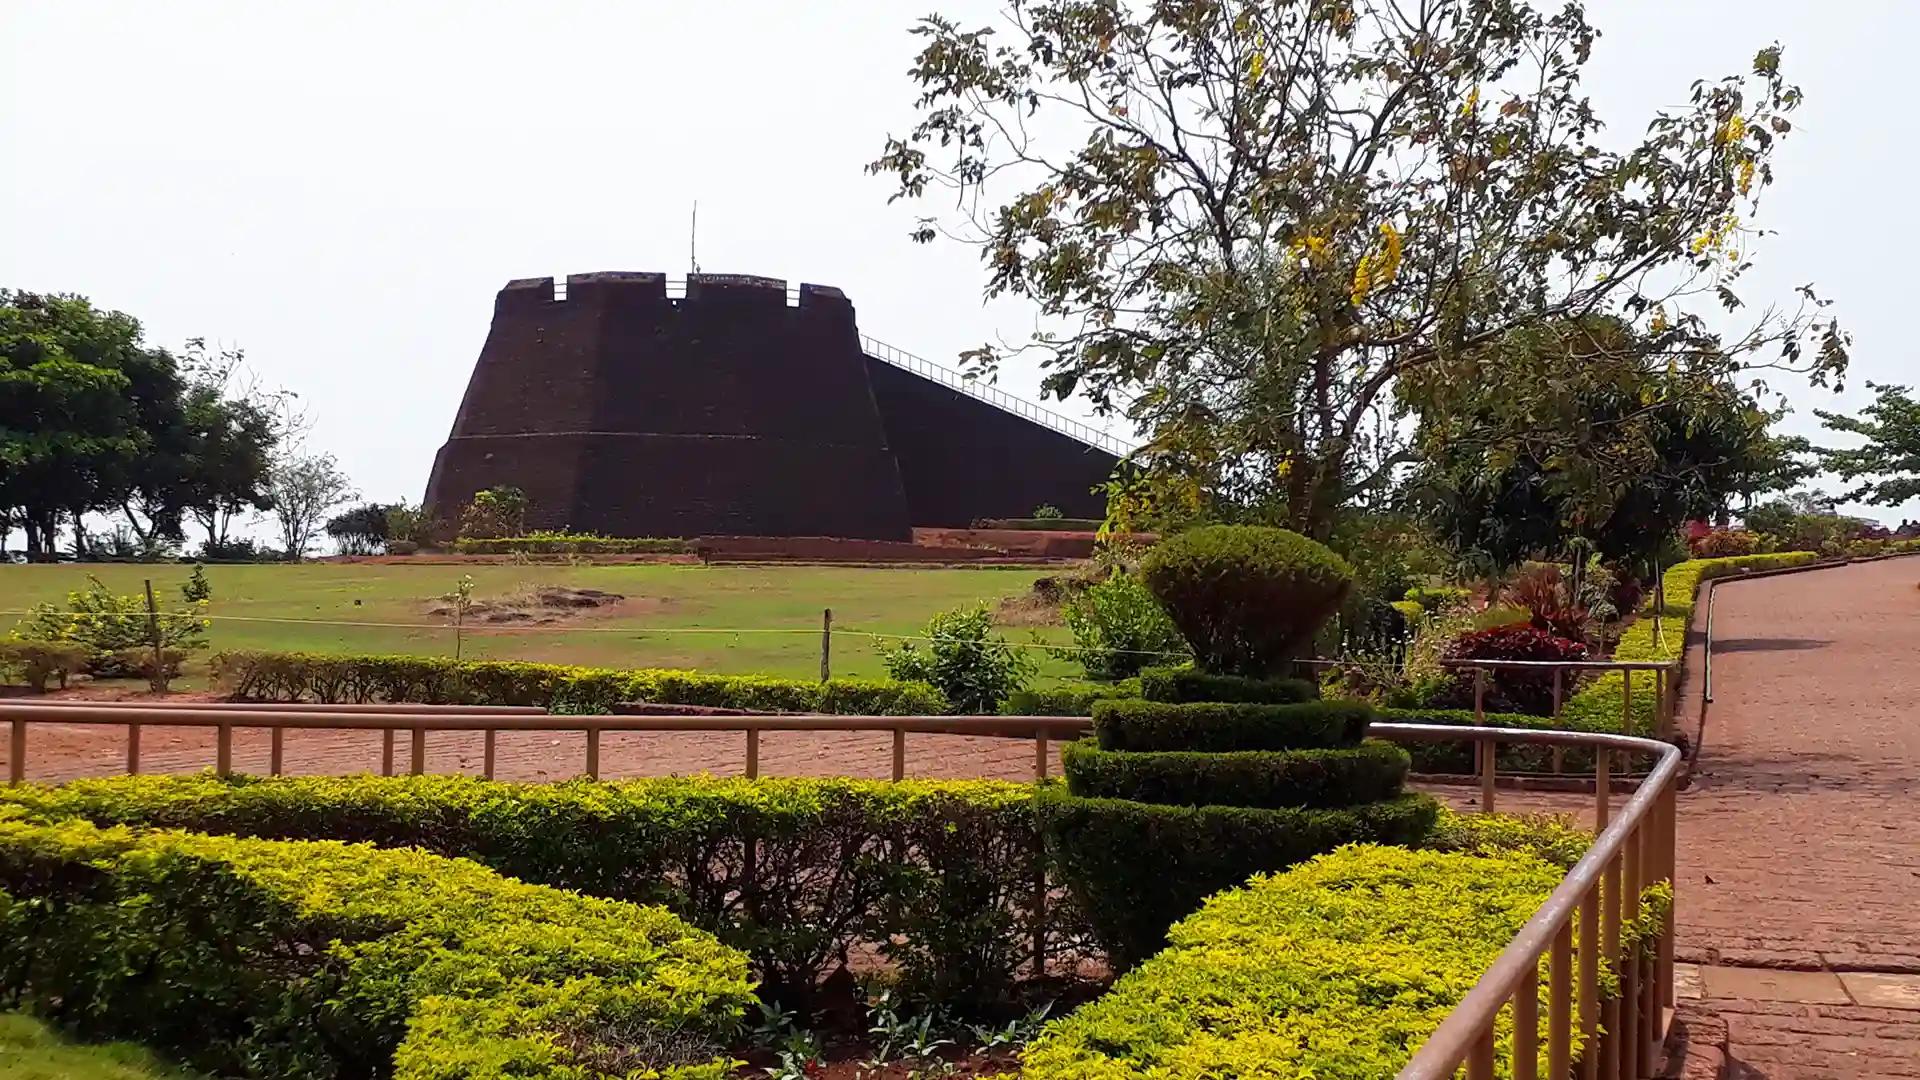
pixel 1247 598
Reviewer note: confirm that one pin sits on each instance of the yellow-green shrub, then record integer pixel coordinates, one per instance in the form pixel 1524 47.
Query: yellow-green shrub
pixel 1334 969
pixel 323 959
pixel 937 876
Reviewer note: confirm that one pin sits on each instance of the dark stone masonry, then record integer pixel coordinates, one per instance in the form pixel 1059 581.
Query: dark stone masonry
pixel 730 411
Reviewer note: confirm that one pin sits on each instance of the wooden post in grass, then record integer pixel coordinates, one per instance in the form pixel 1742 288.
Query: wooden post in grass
pixel 157 678
pixel 826 644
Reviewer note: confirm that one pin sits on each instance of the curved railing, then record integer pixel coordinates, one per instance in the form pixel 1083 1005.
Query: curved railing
pixel 1601 894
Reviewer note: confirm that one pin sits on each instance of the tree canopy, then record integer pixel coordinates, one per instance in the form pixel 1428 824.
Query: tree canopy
pixel 1617 453
pixel 1888 461
pixel 94 420
pixel 1265 230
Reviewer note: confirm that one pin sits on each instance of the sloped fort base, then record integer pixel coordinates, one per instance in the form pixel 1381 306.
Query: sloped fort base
pixel 622 410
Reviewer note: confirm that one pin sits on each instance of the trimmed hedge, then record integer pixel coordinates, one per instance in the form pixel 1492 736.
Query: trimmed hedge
pixel 936 876
pixel 1336 969
pixel 1457 757
pixel 1269 779
pixel 252 957
pixel 1186 684
pixel 571 544
pixel 299 676
pixel 1137 867
pixel 1225 726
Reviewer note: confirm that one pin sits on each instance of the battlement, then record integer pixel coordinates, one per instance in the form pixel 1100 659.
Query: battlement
pixel 628 403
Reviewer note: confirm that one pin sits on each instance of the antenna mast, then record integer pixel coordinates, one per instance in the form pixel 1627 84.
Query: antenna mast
pixel 693 237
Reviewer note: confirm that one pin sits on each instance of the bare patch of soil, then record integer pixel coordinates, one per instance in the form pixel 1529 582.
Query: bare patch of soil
pixel 533 605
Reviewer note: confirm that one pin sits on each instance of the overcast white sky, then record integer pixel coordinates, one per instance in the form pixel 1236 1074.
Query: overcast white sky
pixel 340 188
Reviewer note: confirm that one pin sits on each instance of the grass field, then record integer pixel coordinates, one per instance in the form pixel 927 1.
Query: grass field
pixel 29 1050
pixel 727 619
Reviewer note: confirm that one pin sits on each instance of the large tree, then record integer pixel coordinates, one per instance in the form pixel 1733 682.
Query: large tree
pixel 1245 222
pixel 74 383
pixel 1888 460
pixel 1580 438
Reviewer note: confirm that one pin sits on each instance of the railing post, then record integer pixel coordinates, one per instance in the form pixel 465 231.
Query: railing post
pixel 133 749
pixel 386 752
pixel 276 756
pixel 1559 678
pixel 899 754
pixel 1479 697
pixel 1526 1027
pixel 486 767
pixel 223 750
pixel 1669 867
pixel 753 753
pixel 1626 701
pixel 17 755
pixel 593 753
pixel 1560 1005
pixel 1480 1058
pixel 1631 865
pixel 1602 789
pixel 1042 755
pixel 1610 949
pixel 1590 982
pixel 418 764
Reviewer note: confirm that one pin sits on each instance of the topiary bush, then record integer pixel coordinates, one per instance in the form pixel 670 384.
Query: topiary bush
pixel 1124 724
pixel 1248 599
pixel 1172 801
pixel 1318 777
pixel 1136 867
pixel 1185 684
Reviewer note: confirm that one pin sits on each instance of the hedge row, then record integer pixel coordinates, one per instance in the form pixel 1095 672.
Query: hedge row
pixel 936 876
pixel 1397 939
pixel 1138 867
pixel 572 544
pixel 1187 684
pixel 1122 724
pixel 294 676
pixel 1598 705
pixel 1267 779
pixel 259 958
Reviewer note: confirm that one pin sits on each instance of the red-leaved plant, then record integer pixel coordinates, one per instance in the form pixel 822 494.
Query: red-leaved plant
pixel 1513 690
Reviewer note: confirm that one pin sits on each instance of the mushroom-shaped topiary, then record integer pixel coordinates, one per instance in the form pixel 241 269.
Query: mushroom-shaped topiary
pixel 1248 599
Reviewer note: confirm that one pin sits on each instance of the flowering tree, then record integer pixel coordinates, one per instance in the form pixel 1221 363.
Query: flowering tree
pixel 1267 230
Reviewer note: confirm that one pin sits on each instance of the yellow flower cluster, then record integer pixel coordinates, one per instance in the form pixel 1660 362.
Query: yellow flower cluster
pixel 1377 267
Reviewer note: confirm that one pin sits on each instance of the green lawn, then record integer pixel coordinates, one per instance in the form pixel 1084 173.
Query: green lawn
pixel 639 632
pixel 29 1050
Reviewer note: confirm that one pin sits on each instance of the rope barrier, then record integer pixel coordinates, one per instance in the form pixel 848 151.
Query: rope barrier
pixel 484 628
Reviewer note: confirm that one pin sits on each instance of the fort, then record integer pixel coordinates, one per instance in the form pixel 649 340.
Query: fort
pixel 627 405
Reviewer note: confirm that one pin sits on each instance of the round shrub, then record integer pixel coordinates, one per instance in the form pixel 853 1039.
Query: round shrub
pixel 1248 599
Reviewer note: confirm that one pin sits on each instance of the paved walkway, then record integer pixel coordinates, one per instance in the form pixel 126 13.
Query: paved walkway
pixel 1799 890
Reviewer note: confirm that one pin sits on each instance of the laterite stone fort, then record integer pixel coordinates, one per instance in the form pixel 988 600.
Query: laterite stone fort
pixel 734 409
